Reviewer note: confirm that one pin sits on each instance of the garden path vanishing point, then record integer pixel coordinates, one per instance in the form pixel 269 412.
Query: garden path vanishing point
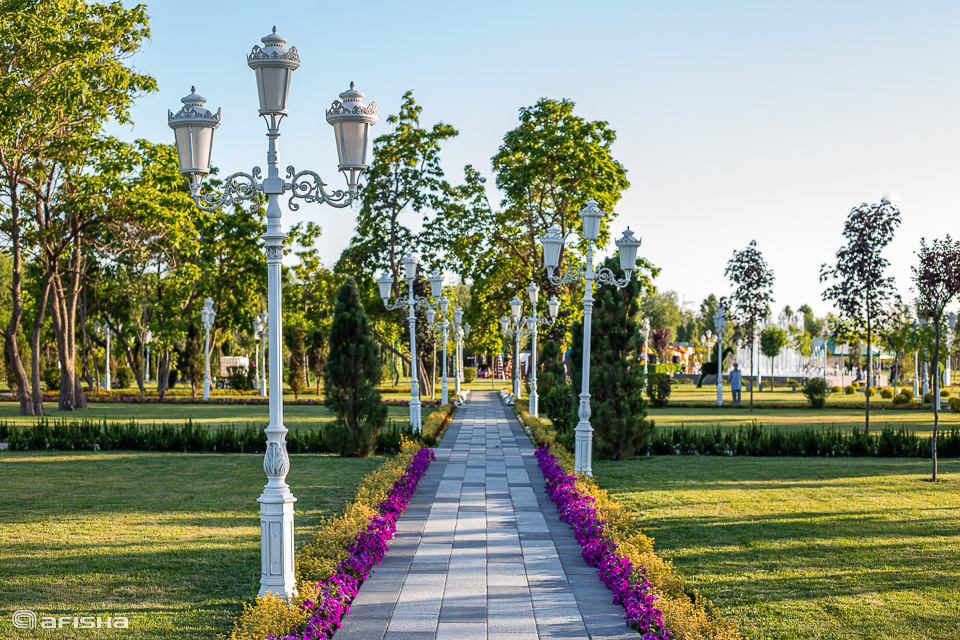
pixel 480 552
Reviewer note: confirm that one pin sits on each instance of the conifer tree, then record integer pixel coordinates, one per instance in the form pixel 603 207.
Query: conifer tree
pixel 557 401
pixel 298 359
pixel 350 377
pixel 616 375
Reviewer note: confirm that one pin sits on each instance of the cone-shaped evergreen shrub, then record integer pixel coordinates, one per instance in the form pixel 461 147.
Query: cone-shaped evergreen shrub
pixel 351 376
pixel 297 366
pixel 557 401
pixel 616 375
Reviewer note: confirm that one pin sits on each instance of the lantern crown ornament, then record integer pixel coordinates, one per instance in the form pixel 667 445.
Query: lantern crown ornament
pixel 591 216
pixel 274 66
pixel 627 248
pixel 193 128
pixel 351 121
pixel 552 246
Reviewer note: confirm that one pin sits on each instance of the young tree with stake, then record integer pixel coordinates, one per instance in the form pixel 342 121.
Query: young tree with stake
pixel 937 278
pixel 750 301
pixel 859 288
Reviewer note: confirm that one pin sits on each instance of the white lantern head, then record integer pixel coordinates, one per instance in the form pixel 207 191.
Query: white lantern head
pixel 533 292
pixel 263 318
pixel 515 306
pixel 431 316
pixel 591 216
pixel 952 320
pixel 466 330
pixel 274 67
pixel 457 316
pixel 444 305
pixel 436 283
pixel 409 263
pixel 554 305
pixel 385 282
pixel 505 325
pixel 148 336
pixel 646 324
pixel 257 325
pixel 193 128
pixel 97 326
pixel 207 314
pixel 720 319
pixel 552 246
pixel 351 120
pixel 627 248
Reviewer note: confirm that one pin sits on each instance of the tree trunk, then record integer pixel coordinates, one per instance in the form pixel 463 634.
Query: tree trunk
pixel 163 373
pixel 36 392
pixel 63 314
pixel 85 344
pixel 754 372
pixel 866 427
pixel 934 394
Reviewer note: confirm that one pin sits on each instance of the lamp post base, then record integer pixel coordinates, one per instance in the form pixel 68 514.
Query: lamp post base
pixel 719 394
pixel 583 457
pixel 444 393
pixel 276 543
pixel 206 389
pixel 533 405
pixel 415 420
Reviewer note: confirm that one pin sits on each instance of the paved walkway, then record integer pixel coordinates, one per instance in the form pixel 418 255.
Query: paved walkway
pixel 480 552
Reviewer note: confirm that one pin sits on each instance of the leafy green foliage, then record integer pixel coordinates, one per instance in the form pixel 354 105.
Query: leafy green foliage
pixel 816 390
pixel 351 376
pixel 659 386
pixel 124 377
pixel 557 400
pixel 297 366
pixel 51 378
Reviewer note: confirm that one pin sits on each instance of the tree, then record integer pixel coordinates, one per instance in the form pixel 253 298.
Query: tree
pixel 296 338
pixel 317 353
pixel 63 78
pixel 351 376
pixel 810 324
pixel 750 301
pixel 662 310
pixel 557 400
pixel 660 337
pixel 858 286
pixel 616 375
pixel 937 279
pixel 800 340
pixel 772 341
pixel 190 361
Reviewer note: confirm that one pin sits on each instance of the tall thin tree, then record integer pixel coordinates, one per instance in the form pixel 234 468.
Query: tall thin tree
pixel 937 279
pixel 858 286
pixel 749 304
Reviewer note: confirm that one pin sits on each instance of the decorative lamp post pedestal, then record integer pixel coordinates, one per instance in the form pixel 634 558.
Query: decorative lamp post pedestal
pixel 207 315
pixel 552 248
pixel 193 127
pixel 720 323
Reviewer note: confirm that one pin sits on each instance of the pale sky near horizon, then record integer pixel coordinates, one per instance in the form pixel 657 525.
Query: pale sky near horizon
pixel 735 120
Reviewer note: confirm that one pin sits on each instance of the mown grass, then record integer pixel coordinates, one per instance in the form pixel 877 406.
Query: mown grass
pixel 807 548
pixel 171 541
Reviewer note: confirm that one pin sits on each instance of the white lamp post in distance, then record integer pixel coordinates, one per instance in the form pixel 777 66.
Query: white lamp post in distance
pixel 552 247
pixel 207 315
pixel 107 334
pixel 193 126
pixel 263 352
pixel 528 326
pixel 386 284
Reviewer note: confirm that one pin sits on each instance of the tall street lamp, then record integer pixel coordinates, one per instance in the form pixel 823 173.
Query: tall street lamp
pixel 532 321
pixel 207 315
pixel 552 248
pixel 916 360
pixel 431 319
pixel 107 334
pixel 646 350
pixel 720 323
pixel 462 332
pixel 947 370
pixel 148 338
pixel 512 330
pixel 193 126
pixel 386 283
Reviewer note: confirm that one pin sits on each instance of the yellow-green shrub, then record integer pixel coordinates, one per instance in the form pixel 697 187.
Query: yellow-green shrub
pixel 688 615
pixel 435 424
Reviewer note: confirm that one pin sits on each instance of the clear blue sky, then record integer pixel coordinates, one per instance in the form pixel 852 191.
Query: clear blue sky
pixel 735 120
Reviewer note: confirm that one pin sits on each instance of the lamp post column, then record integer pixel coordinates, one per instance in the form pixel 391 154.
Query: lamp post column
pixel 584 432
pixel 534 400
pixel 516 362
pixel 444 390
pixel 720 323
pixel 108 333
pixel 414 385
pixel 206 363
pixel 457 363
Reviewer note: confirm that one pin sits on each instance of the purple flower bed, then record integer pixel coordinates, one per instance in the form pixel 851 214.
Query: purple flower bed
pixel 213 400
pixel 369 546
pixel 579 511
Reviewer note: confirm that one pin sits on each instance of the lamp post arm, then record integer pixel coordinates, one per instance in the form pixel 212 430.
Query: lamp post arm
pixel 310 187
pixel 573 273
pixel 237 188
pixel 606 276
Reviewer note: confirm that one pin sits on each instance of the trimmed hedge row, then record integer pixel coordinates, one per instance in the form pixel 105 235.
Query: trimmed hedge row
pixel 757 440
pixel 687 614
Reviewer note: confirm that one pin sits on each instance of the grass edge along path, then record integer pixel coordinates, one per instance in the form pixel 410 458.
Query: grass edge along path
pixel 333 562
pixel 687 615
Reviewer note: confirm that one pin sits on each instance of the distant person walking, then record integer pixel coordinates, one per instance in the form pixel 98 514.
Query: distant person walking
pixel 736 383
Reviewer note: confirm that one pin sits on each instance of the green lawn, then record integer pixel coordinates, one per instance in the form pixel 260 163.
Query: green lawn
pixel 838 549
pixel 170 540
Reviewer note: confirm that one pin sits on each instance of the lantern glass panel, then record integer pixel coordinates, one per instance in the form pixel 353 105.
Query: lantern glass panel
pixel 352 142
pixel 384 282
pixel 194 145
pixel 273 85
pixel 431 316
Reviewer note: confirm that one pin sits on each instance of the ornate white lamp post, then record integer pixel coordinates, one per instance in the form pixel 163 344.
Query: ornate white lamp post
pixel 457 350
pixel 444 389
pixel 207 315
pixel 646 350
pixel 107 334
pixel 720 322
pixel 552 247
pixel 925 388
pixel 947 371
pixel 553 306
pixel 193 127
pixel 511 329
pixel 148 338
pixel 916 361
pixel 385 283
